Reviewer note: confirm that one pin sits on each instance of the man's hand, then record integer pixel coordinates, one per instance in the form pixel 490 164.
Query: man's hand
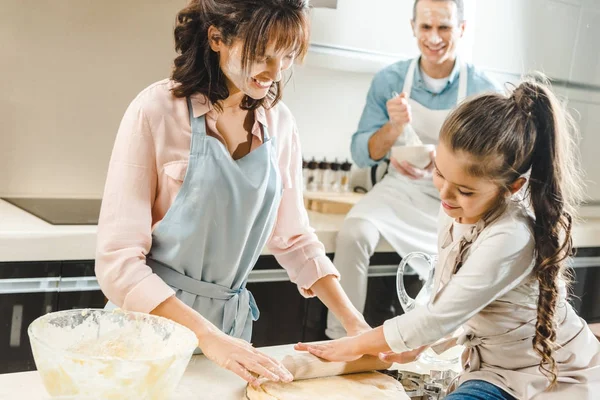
pixel 399 112
pixel 409 170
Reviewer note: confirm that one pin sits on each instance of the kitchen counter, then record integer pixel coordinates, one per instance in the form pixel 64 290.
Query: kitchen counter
pixel 202 380
pixel 24 237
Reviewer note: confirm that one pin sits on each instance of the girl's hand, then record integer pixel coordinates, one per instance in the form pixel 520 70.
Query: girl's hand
pixel 402 358
pixel 345 349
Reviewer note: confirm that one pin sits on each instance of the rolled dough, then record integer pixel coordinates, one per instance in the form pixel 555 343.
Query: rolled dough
pixel 371 385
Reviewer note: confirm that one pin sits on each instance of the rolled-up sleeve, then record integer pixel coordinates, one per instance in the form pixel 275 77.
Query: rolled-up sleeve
pixel 293 242
pixel 373 117
pixel 501 262
pixel 125 224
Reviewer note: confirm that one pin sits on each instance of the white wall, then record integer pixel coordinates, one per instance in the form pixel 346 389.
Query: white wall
pixel 70 67
pixel 376 25
pixel 559 38
pixel 508 38
pixel 327 105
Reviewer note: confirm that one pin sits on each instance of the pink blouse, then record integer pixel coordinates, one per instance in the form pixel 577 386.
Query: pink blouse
pixel 146 170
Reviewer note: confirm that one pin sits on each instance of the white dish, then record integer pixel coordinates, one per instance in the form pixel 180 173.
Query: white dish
pixel 415 155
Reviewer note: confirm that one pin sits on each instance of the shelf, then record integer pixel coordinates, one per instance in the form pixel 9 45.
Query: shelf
pixel 348 59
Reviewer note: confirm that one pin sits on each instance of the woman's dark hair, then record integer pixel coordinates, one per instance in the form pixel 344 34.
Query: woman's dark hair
pixel 255 23
pixel 508 137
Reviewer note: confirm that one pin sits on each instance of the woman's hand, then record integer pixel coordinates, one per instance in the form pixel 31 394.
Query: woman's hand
pixel 233 354
pixel 356 327
pixel 330 292
pixel 345 349
pixel 242 358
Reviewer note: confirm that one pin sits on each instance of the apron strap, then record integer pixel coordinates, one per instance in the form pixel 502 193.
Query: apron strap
pixel 463 78
pixel 266 136
pixel 410 76
pixel 198 124
pixel 190 108
pixel 239 303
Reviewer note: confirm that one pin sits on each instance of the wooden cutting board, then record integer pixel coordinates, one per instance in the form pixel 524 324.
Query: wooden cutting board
pixel 362 386
pixel 331 202
pixel 316 378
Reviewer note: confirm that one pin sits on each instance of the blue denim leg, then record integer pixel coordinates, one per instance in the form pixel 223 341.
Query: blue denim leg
pixel 479 390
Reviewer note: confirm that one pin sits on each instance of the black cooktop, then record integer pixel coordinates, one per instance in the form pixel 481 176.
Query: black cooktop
pixel 60 211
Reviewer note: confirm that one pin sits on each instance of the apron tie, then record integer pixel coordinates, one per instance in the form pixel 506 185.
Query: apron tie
pixel 239 303
pixel 236 311
pixel 471 359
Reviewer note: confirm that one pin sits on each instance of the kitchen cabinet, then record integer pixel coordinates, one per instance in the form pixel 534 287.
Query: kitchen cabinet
pixel 323 3
pixel 78 286
pixel 288 317
pixel 585 296
pixel 584 104
pixel 285 315
pixel 282 313
pixel 339 38
pixel 29 290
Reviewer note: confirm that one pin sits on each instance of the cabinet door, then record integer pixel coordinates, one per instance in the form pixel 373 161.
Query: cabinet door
pixel 79 287
pixel 86 299
pixel 381 304
pixel 282 313
pixel 585 296
pixel 27 291
pixel 17 312
pixel 382 299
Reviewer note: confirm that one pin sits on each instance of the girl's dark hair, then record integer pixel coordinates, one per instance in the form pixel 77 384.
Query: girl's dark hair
pixel 256 23
pixel 508 137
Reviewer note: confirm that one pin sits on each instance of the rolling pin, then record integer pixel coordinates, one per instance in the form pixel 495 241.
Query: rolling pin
pixel 308 366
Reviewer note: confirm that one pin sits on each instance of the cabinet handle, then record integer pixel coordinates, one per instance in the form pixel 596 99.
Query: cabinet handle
pixel 49 285
pixel 29 285
pixel 78 284
pixel 16 325
pixel 280 275
pixel 584 262
pixel 268 275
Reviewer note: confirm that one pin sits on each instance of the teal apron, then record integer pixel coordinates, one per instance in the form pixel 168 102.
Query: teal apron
pixel 213 233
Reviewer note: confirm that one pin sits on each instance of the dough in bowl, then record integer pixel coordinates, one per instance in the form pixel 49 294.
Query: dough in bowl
pixel 371 385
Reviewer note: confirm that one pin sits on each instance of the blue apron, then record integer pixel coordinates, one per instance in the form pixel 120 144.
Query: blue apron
pixel 213 233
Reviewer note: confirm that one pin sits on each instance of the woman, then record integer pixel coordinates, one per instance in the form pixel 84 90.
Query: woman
pixel 206 171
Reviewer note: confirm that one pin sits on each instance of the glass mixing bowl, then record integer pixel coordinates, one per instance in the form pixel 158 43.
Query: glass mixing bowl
pixel 98 354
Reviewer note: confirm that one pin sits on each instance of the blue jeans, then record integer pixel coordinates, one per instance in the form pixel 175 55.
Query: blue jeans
pixel 479 390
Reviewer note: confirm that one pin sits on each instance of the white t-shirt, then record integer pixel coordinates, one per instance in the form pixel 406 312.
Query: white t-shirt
pixel 458 229
pixel 433 84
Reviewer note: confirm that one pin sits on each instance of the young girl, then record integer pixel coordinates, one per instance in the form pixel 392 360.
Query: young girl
pixel 501 268
pixel 205 172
